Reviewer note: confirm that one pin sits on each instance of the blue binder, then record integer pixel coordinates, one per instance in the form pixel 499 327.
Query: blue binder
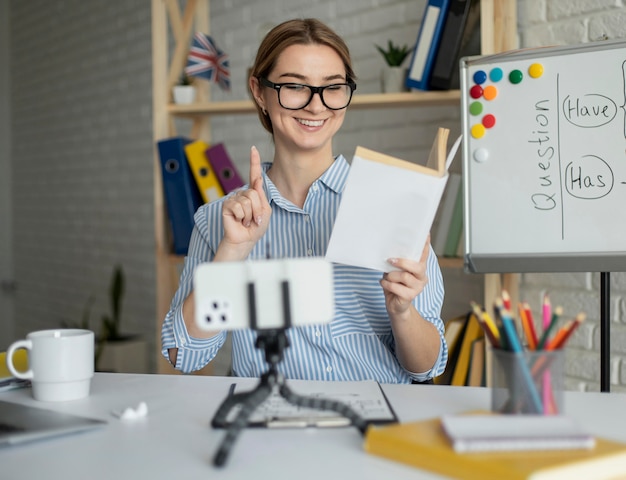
pixel 425 51
pixel 182 196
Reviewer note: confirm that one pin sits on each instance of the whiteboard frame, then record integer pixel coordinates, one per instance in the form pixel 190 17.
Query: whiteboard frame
pixel 528 262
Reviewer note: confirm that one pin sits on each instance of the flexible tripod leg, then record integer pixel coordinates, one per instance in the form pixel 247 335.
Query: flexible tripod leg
pixel 220 419
pixel 324 404
pixel 249 402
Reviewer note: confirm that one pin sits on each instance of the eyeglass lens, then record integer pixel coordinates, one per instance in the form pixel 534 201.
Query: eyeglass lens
pixel 296 96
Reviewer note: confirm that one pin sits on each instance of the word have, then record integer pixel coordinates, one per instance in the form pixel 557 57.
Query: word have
pixel 588 111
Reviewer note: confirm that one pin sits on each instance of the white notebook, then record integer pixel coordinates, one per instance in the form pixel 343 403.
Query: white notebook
pixel 489 433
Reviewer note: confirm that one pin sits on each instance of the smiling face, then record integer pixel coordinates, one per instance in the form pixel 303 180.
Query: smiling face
pixel 311 128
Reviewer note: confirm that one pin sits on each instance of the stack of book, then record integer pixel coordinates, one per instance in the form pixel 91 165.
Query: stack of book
pixel 559 450
pixel 193 173
pixel 466 353
pixel 450 30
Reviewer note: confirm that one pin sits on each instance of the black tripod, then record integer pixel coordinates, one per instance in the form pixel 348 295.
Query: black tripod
pixel 273 342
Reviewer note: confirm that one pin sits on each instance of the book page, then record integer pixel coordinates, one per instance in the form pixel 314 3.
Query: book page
pixel 386 211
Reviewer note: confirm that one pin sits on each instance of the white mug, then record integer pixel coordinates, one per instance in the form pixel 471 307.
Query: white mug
pixel 61 363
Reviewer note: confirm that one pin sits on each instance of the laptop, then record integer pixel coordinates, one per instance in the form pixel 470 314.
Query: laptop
pixel 22 423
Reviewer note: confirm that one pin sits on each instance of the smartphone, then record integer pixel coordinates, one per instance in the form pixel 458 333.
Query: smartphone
pixel 263 294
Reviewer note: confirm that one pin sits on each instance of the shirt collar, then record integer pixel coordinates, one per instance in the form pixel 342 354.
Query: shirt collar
pixel 334 178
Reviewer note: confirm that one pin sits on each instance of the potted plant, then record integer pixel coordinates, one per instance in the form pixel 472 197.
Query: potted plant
pixel 184 92
pixel 117 351
pixel 394 75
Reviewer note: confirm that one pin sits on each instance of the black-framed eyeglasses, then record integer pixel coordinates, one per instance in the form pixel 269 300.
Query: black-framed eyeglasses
pixel 294 96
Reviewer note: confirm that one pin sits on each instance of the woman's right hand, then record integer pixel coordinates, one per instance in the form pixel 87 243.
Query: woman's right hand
pixel 245 215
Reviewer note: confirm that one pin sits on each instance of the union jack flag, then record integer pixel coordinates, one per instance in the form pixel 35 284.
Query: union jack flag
pixel 207 61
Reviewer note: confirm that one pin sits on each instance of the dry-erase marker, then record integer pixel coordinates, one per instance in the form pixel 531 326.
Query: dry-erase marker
pixel 558 311
pixel 565 332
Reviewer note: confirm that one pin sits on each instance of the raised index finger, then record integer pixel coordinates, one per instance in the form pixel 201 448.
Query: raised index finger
pixel 255 166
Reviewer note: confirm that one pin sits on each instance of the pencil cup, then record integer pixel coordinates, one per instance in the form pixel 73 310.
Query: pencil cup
pixel 529 382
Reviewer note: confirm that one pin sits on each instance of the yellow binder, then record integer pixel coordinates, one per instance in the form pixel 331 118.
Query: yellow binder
pixel 205 176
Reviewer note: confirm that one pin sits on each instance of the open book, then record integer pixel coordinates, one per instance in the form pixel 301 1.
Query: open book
pixel 388 206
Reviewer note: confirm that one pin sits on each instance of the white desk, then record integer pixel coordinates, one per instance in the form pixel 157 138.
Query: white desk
pixel 175 441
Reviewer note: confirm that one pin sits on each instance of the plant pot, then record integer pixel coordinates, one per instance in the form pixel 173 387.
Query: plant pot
pixel 393 79
pixel 127 355
pixel 184 94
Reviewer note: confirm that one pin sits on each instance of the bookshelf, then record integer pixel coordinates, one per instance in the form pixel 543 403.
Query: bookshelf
pixel 173 27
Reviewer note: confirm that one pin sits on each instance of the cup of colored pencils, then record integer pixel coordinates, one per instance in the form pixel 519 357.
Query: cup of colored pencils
pixel 527 375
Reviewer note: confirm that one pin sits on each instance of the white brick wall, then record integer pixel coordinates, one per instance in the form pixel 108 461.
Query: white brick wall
pixel 82 160
pixel 549 22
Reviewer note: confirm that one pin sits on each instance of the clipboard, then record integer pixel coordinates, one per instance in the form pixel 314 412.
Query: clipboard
pixel 365 397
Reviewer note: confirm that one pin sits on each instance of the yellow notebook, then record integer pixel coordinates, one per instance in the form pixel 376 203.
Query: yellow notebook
pixel 203 172
pixel 424 445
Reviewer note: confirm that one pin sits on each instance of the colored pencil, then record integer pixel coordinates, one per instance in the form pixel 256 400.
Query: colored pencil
pixel 506 300
pixel 547 312
pixel 498 306
pixel 558 311
pixel 531 323
pixel 565 332
pixel 530 340
pixel 487 325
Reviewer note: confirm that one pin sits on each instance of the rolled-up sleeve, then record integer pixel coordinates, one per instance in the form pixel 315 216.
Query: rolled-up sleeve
pixel 193 353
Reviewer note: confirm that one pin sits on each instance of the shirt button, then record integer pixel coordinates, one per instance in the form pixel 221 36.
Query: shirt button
pixel 183 341
pixel 309 252
pixel 314 187
pixel 329 369
pixel 318 333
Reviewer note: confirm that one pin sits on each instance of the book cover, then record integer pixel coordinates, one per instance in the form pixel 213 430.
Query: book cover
pixel 182 197
pixel 473 331
pixel 460 38
pixel 388 206
pixel 456 225
pixel 455 330
pixel 427 43
pixel 203 172
pixel 444 214
pixel 476 370
pixel 423 444
pixel 225 169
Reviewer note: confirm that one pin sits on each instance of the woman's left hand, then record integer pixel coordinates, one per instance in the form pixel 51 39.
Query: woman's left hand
pixel 403 285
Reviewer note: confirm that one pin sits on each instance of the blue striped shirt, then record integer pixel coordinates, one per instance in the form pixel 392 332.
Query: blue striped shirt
pixel 357 345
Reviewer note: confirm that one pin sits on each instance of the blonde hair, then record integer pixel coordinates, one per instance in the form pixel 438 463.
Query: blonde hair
pixel 296 32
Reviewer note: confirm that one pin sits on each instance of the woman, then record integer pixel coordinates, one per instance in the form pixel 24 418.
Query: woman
pixel 386 327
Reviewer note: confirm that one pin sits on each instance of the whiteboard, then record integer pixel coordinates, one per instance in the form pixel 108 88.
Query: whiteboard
pixel 544 159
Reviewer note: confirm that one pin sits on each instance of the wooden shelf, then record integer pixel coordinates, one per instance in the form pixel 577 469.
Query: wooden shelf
pixel 450 262
pixel 364 101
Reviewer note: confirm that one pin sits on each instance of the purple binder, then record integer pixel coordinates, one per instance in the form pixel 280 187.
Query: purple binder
pixel 225 169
